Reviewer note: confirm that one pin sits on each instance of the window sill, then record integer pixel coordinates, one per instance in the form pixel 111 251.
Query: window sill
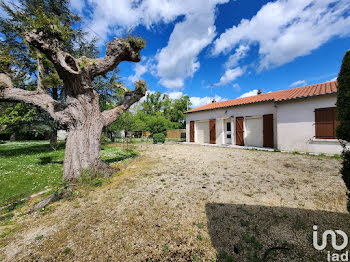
pixel 325 140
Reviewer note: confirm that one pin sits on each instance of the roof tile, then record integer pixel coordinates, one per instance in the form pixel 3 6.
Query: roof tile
pixel 294 93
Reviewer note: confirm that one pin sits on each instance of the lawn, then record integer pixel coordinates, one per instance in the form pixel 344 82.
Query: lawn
pixel 28 167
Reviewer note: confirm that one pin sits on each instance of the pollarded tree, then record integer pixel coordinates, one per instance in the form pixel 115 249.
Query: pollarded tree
pixel 80 111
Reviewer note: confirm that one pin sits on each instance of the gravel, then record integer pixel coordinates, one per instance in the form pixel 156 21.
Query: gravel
pixel 179 202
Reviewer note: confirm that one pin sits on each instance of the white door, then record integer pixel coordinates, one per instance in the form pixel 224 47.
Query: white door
pixel 202 131
pixel 254 131
pixel 228 138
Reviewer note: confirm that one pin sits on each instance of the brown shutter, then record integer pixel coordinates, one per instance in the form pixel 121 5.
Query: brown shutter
pixel 192 131
pixel 212 131
pixel 239 131
pixel 325 122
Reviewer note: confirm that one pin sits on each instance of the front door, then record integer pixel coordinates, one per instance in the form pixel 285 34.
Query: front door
pixel 268 130
pixel 212 131
pixel 192 131
pixel 228 132
pixel 239 131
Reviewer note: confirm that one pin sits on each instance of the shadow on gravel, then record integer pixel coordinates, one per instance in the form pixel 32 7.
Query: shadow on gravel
pixel 260 233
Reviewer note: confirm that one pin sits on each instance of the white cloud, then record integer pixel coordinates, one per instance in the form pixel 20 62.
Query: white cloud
pixel 175 95
pixel 201 101
pixel 250 93
pixel 176 61
pixel 172 83
pixel 139 71
pixel 298 83
pixel 333 79
pixel 236 87
pixel 240 53
pixel 286 29
pixel 195 100
pixel 230 75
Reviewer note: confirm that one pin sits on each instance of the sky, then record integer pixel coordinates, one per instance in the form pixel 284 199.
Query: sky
pixel 224 49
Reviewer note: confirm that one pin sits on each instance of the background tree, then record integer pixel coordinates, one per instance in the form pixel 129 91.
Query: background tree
pixel 156 114
pixel 80 108
pixel 343 105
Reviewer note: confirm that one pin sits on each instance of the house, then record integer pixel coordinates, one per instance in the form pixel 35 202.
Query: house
pixel 300 119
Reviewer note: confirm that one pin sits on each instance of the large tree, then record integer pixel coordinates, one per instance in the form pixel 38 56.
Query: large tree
pixel 80 110
pixel 35 68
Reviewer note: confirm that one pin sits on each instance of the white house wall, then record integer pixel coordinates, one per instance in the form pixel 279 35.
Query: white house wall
pixel 296 126
pixel 220 115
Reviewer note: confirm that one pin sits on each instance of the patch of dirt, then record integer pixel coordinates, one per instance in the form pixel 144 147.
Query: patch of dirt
pixel 192 203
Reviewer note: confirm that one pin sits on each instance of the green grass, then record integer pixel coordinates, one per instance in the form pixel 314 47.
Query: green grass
pixel 31 166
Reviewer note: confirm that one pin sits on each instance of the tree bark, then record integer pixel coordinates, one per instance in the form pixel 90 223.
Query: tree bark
pixel 13 136
pixel 53 138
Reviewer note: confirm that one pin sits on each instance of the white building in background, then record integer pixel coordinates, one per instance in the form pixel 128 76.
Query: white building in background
pixel 300 119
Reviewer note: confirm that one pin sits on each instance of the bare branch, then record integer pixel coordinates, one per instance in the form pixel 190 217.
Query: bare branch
pixel 63 62
pixel 5 81
pixel 40 69
pixel 117 50
pixel 130 98
pixel 37 98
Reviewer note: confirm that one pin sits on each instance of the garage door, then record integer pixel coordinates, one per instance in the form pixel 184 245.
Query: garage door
pixel 254 131
pixel 202 131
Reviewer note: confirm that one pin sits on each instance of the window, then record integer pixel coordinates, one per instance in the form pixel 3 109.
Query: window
pixel 326 122
pixel 228 135
pixel 228 126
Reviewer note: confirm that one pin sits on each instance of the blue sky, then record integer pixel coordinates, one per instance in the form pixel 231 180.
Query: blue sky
pixel 236 46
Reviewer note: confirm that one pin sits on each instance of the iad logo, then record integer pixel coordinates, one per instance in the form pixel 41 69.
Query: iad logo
pixel 332 256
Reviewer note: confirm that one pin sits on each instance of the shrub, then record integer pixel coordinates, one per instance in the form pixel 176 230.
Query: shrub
pixel 160 137
pixel 345 171
pixel 343 106
pixel 343 99
pixel 157 124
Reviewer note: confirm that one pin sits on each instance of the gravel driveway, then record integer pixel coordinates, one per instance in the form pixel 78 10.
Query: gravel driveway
pixel 180 202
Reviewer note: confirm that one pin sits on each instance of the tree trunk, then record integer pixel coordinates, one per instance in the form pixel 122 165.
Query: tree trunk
pixel 84 138
pixel 13 136
pixel 83 153
pixel 53 139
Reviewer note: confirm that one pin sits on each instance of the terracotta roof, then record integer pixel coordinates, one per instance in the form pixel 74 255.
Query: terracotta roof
pixel 283 95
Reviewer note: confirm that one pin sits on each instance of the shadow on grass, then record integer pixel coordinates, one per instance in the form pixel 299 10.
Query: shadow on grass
pixel 118 158
pixel 260 233
pixel 28 150
pixel 48 160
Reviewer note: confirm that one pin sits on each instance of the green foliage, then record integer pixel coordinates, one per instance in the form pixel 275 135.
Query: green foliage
pixel 50 24
pixel 156 114
pixel 16 114
pixel 345 171
pixel 135 41
pixel 158 138
pixel 6 59
pixel 39 237
pixel 343 99
pixel 157 124
pixel 343 105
